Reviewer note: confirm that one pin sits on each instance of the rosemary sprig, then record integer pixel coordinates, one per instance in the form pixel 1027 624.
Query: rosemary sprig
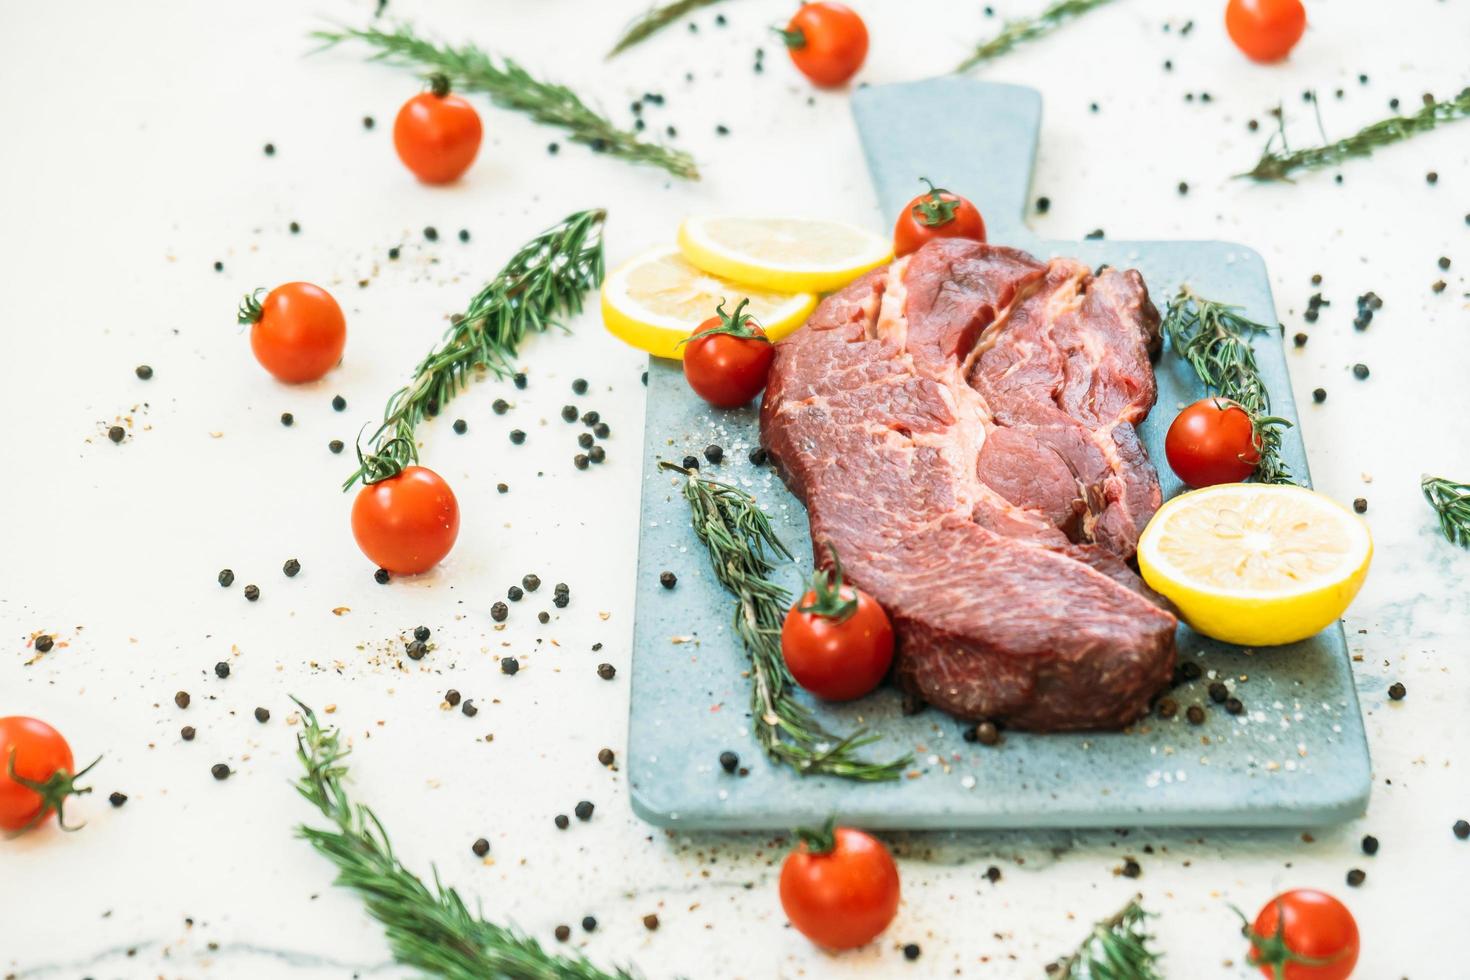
pixel 1116 949
pixel 1451 501
pixel 1216 342
pixel 1278 161
pixel 656 19
pixel 1015 32
pixel 510 86
pixel 542 284
pixel 428 929
pixel 742 547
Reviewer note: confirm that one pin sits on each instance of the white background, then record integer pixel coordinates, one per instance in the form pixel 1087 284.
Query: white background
pixel 131 160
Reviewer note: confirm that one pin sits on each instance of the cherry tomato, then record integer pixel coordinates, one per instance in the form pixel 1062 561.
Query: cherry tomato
pixel 839 887
pixel 727 358
pixel 936 214
pixel 836 639
pixel 1265 30
pixel 827 42
pixel 437 134
pixel 406 523
pixel 297 332
pixel 1304 934
pixel 36 774
pixel 1212 441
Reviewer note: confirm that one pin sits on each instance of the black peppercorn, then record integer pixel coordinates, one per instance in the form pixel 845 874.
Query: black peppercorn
pixel 252 592
pixel 460 426
pixel 650 922
pixel 1356 877
pixel 509 665
pixel 1195 714
pixel 291 567
pixel 668 579
pixel 1190 670
pixel 1319 395
pixel 585 440
pixel 262 715
pixel 220 771
pixel 222 670
pixel 606 756
pixel 591 418
pixel 415 649
pixel 543 617
pixel 569 413
pixel 583 810
pixel 1397 691
pixel 517 436
pixel 1432 177
pixel 1043 205
pixel 729 761
pixel 187 733
pixel 606 671
pixel 338 403
pixel 579 386
pixel 287 419
pixel 519 380
pixel 393 253
pixel 531 582
pixel 44 643
pixel 464 234
pixel 597 454
pixel 1370 844
pixel 562 821
pixel 1300 340
pixel 145 372
pixel 335 446
pixel 422 633
pixel 1234 706
pixel 226 578
pixel 992 874
pixel 758 456
pixel 1462 829
pixel 1219 692
pixel 468 709
pixel 561 588
pixel 219 266
pixel 499 611
pixel 1130 869
pixel 116 433
pixel 117 799
pixel 589 923
pixel 514 593
pixel 431 233
pixel 182 699
pixel 691 462
pixel 452 697
pixel 481 847
pixel 500 406
pixel 1168 708
pixel 1360 505
pixel 601 430
pixel 563 933
pixel 714 453
pixel 1360 371
pixel 381 576
pixel 911 951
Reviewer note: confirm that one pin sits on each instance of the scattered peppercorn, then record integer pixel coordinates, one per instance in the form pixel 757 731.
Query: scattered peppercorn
pixel 1370 844
pixel 1319 395
pixel 468 709
pixel 252 592
pixel 591 418
pixel 581 460
pixel 499 611
pixel 519 380
pixel 1360 504
pixel 517 436
pixel 502 488
pixel 911 951
pixel 381 576
pixel 758 456
pixel 606 671
pixel 291 567
pixel 1043 205
pixel 1234 706
pixel 560 600
pixel 729 761
pixel 145 372
pixel 44 643
pixel 182 699
pixel 1183 188
pixel 335 446
pixel 563 933
pixel 500 406
pixel 584 440
pixel 1397 691
pixel 714 453
pixel 1356 877
pixel 569 413
pixel 1462 829
pixel 583 810
pixel 262 715
pixel 650 922
pixel 116 433
pixel 431 233
pixel 562 821
pixel 1131 869
pixel 393 253
pixel 606 756
pixel 222 670
pixel 1195 714
pixel 219 266
pixel 543 617
pixel 601 430
pixel 1168 708
pixel 116 798
pixel 287 419
pixel 588 923
pixel 992 874
pixel 481 847
pixel 509 665
pixel 460 426
pixel 691 462
pixel 1360 371
pixel 668 579
pixel 1300 340
pixel 1432 177
pixel 1190 671
pixel 415 649
pixel 220 771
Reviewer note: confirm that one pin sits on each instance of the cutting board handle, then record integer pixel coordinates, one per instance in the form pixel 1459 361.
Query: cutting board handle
pixel 975 138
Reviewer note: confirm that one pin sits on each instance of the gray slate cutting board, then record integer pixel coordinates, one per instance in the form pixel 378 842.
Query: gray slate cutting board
pixel 1296 757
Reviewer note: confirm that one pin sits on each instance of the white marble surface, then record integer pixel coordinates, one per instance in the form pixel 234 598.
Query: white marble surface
pixel 132 161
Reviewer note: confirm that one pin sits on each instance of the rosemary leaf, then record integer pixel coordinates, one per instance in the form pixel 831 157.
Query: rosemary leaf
pixel 510 86
pixel 428 929
pixel 1015 32
pixel 1116 949
pixel 541 285
pixel 1278 162
pixel 656 19
pixel 742 547
pixel 1451 501
pixel 1215 340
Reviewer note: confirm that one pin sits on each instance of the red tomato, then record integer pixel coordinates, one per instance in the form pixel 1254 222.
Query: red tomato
pixel 1265 30
pixel 837 641
pixel 1212 441
pixel 406 523
pixel 1304 935
pixel 36 774
pixel 936 214
pixel 437 134
pixel 297 333
pixel 827 42
pixel 839 887
pixel 727 358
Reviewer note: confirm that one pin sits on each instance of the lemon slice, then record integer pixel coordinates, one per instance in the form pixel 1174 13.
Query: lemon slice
pixel 1255 564
pixel 790 254
pixel 658 298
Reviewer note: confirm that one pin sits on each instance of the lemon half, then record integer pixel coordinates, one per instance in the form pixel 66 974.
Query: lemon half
pixel 1254 564
pixel 657 299
pixel 794 255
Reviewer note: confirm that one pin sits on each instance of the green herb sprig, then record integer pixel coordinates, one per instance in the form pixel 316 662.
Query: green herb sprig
pixel 539 287
pixel 1015 32
pixel 428 929
pixel 742 549
pixel 510 86
pixel 1451 502
pixel 1215 340
pixel 1279 162
pixel 1116 949
pixel 656 19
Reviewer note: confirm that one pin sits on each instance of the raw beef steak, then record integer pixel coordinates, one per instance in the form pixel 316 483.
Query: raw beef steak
pixel 960 426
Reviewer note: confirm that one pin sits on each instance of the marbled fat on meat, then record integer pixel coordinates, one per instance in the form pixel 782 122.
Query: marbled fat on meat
pixel 960 426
